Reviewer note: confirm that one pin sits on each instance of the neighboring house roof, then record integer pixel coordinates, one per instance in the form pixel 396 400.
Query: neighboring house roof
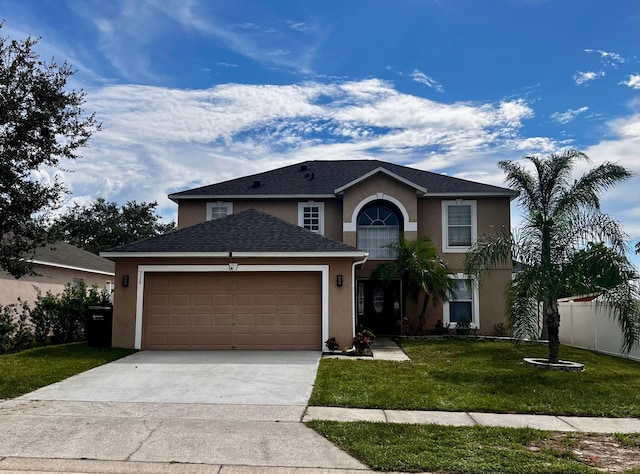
pixel 64 255
pixel 247 233
pixel 328 178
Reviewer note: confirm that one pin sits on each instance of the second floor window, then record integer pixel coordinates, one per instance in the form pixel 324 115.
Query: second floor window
pixel 378 227
pixel 311 216
pixel 218 210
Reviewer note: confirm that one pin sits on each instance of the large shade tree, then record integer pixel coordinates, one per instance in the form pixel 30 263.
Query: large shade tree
pixel 102 224
pixel 566 246
pixel 422 273
pixel 41 122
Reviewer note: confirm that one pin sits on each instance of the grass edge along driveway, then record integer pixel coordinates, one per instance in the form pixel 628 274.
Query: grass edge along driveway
pixel 482 376
pixel 23 372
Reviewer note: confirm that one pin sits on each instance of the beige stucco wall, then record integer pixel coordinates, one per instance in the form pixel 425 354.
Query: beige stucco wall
pixel 340 298
pixel 194 212
pixel 52 279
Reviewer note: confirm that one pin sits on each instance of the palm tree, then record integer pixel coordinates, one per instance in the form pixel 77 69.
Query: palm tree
pixel 562 216
pixel 421 271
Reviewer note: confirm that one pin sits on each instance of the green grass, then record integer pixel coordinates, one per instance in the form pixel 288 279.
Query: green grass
pixel 28 370
pixel 466 375
pixel 433 448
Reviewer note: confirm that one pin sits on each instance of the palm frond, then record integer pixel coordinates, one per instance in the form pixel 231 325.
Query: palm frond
pixel 522 308
pixel 488 251
pixel 624 300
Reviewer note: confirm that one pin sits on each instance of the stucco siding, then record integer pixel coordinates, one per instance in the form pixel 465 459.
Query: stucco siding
pixel 52 279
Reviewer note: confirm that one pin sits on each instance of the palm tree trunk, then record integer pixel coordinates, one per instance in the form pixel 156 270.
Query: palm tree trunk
pixel 552 317
pixel 423 313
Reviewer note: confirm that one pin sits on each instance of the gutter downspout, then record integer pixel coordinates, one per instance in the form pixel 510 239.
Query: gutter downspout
pixel 353 292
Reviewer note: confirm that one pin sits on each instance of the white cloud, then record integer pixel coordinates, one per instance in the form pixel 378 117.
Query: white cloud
pixel 157 140
pixel 607 57
pixel 582 77
pixel 568 116
pixel 633 81
pixel 422 78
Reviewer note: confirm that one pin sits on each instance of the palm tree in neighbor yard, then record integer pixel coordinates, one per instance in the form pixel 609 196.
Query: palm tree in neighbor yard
pixel 421 271
pixel 566 246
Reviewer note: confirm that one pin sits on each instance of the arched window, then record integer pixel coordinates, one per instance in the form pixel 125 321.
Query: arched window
pixel 378 226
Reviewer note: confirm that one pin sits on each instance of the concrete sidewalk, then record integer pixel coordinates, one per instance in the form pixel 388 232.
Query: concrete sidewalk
pixel 541 422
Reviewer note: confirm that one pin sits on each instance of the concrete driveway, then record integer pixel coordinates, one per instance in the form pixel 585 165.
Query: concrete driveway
pixel 217 377
pixel 213 408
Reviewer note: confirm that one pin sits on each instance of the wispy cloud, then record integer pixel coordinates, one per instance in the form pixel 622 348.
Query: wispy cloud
pixel 568 116
pixel 181 138
pixel 583 77
pixel 607 57
pixel 633 81
pixel 422 78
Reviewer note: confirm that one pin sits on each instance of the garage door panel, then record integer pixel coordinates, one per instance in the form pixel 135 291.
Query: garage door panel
pixel 201 320
pixel 200 299
pixel 180 320
pixel 158 319
pixel 222 320
pixel 232 310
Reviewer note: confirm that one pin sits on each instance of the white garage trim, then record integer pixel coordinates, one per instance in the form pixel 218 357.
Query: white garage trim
pixel 231 267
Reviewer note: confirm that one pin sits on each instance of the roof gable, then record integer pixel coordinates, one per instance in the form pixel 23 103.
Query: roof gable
pixel 248 232
pixel 316 179
pixel 380 170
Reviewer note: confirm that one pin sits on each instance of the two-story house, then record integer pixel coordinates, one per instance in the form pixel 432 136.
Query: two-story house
pixel 283 259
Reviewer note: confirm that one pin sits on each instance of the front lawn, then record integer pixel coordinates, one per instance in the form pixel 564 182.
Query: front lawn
pixel 479 449
pixel 28 370
pixel 476 375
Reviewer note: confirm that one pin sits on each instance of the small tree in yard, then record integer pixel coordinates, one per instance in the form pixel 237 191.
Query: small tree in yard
pixel 40 123
pixel 561 247
pixel 421 271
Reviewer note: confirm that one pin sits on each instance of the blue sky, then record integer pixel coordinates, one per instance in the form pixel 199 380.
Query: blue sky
pixel 193 92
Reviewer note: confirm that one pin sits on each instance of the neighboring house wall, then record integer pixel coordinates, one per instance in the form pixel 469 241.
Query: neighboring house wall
pixel 340 297
pixel 588 325
pixel 52 279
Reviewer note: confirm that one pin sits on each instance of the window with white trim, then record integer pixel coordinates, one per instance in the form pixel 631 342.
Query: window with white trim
pixel 459 225
pixel 311 216
pixel 378 228
pixel 218 210
pixel 463 303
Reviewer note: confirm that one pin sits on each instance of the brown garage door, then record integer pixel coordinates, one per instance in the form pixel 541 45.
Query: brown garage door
pixel 257 310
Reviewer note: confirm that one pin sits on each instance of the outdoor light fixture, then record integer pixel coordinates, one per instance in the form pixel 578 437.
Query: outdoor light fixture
pixel 339 280
pixel 125 280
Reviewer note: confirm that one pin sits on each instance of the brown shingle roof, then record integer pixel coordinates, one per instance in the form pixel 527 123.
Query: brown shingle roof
pixel 67 255
pixel 324 177
pixel 247 231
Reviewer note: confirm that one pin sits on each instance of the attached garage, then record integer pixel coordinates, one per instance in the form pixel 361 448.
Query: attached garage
pixel 246 281
pixel 223 310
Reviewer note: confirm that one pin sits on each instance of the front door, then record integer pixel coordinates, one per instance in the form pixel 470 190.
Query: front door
pixel 379 306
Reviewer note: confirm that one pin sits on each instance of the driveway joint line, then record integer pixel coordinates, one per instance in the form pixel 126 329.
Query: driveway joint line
pixel 475 422
pixel 568 423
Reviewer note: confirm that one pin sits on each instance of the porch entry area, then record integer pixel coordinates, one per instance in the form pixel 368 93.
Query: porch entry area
pixel 379 306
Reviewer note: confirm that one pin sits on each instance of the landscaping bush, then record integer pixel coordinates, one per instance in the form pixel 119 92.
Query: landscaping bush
pixel 55 319
pixel 15 331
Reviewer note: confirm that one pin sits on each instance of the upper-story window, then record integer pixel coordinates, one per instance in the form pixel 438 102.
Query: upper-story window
pixel 311 216
pixel 218 210
pixel 378 227
pixel 459 229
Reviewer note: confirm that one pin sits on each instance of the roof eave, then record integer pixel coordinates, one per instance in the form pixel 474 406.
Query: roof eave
pixel 232 254
pixel 176 197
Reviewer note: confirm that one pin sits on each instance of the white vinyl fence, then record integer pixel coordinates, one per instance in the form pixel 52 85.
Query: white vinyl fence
pixel 589 325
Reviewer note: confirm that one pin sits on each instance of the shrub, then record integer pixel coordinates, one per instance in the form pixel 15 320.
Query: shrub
pixel 439 328
pixel 332 344
pixel 501 330
pixel 362 342
pixel 15 331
